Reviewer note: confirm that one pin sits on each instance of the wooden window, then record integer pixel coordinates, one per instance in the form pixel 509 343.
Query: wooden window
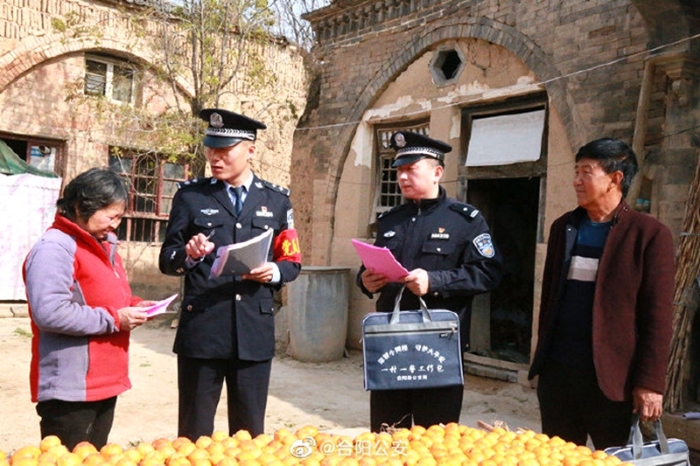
pixel 44 154
pixel 387 192
pixel 111 78
pixel 152 183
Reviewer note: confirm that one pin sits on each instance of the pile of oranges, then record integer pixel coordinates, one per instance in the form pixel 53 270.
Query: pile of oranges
pixel 449 445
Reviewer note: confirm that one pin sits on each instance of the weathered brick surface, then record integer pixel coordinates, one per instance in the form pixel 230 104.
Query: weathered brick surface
pixel 41 71
pixel 587 54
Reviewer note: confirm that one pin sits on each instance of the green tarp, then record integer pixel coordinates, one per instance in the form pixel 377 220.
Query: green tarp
pixel 11 164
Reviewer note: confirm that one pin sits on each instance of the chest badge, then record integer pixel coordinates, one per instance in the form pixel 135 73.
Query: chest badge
pixel 484 245
pixel 390 234
pixel 263 212
pixel 440 234
pixel 209 211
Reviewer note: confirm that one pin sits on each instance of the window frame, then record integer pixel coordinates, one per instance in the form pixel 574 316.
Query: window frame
pixel 522 169
pixel 108 88
pixel 57 146
pixel 384 174
pixel 141 225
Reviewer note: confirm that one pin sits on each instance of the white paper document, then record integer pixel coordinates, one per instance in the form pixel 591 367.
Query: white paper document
pixel 241 258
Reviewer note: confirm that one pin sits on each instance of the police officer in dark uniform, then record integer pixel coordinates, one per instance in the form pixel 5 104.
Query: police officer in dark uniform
pixel 226 327
pixel 447 247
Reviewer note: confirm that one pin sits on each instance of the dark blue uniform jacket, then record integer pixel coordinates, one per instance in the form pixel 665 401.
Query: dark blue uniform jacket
pixel 451 241
pixel 225 317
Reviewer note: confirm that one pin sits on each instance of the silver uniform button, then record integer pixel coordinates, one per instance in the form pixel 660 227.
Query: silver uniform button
pixel 239 226
pixel 238 297
pixel 189 307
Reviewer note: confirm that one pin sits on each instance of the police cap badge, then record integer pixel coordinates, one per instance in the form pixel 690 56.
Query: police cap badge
pixel 228 128
pixel 411 147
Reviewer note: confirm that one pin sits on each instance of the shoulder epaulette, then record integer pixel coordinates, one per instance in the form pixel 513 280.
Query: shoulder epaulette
pixel 195 182
pixel 465 209
pixel 390 211
pixel 274 187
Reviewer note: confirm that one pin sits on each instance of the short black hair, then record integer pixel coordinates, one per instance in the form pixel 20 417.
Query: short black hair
pixel 89 192
pixel 613 155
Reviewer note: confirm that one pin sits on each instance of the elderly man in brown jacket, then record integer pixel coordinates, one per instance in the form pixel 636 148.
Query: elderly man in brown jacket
pixel 606 307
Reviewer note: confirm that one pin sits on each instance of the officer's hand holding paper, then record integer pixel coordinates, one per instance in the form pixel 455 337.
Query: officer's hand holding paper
pixel 241 258
pixel 381 261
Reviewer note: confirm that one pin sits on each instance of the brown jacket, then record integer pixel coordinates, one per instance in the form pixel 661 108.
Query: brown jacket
pixel 633 302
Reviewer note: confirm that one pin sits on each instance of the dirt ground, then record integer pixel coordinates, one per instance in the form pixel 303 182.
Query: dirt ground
pixel 329 396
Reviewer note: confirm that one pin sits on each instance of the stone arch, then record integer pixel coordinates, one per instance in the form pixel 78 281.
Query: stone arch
pixel 479 28
pixel 33 51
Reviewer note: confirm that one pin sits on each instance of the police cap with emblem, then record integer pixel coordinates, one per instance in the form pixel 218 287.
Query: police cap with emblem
pixel 228 128
pixel 411 147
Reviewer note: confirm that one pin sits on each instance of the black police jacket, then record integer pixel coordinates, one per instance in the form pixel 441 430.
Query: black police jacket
pixel 452 242
pixel 226 317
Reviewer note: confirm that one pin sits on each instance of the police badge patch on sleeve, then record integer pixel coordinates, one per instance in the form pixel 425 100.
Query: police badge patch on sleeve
pixel 484 245
pixel 290 219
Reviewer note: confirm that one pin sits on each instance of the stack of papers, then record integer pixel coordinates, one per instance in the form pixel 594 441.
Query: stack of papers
pixel 241 258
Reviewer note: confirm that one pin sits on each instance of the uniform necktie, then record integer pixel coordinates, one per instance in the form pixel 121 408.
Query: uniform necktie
pixel 238 194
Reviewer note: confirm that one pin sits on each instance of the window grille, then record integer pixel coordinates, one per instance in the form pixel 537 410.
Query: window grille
pixel 152 183
pixel 112 79
pixel 388 193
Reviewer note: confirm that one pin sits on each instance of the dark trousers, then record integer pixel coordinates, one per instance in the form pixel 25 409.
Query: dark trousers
pixel 424 407
pixel 200 382
pixel 77 421
pixel 573 407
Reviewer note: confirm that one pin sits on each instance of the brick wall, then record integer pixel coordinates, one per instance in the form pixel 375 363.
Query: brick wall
pixel 41 71
pixel 587 55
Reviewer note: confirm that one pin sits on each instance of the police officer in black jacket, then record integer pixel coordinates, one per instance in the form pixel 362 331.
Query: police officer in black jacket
pixel 447 247
pixel 226 327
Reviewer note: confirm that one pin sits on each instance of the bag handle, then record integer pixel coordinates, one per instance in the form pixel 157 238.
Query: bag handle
pixel 397 305
pixel 637 441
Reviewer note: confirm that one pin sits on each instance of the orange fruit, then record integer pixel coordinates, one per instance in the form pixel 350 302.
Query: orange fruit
pixel 47 457
pixel 187 448
pixel 219 436
pixel 243 435
pixel 84 449
pixel 48 442
pixel 28 451
pixel 111 449
pixel 24 461
pixel 201 462
pixel 153 458
pixel 58 450
pixel 93 459
pixel 203 441
pixel 227 461
pixel 177 459
pixel 179 442
pixel 144 448
pixel 69 459
pixel 197 454
pixel 160 442
pixel 306 431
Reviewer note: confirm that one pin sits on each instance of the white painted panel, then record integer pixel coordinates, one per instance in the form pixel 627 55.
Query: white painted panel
pixel 506 139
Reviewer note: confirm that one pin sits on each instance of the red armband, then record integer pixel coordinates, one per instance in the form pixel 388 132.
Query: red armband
pixel 286 246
